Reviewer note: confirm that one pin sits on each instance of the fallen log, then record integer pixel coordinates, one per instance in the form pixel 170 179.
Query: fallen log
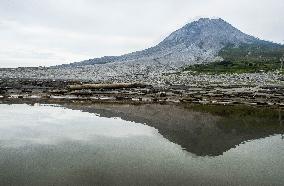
pixel 106 86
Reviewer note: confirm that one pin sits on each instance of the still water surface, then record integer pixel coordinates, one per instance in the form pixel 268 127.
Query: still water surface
pixel 71 145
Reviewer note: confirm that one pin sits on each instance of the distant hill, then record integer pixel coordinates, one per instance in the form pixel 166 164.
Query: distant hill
pixel 197 42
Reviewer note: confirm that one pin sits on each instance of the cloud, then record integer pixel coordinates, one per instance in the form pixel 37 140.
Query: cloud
pixel 51 32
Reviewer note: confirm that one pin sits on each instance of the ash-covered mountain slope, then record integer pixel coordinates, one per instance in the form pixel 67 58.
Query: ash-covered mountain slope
pixel 197 42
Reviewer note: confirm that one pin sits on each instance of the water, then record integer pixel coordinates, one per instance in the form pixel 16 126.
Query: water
pixel 137 145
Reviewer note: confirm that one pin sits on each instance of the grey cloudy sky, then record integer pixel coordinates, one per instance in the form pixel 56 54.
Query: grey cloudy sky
pixel 49 32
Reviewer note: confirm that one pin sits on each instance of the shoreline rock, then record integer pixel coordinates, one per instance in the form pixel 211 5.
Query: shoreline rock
pixel 30 89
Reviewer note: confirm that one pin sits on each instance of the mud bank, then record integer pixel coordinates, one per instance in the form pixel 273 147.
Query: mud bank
pixel 15 90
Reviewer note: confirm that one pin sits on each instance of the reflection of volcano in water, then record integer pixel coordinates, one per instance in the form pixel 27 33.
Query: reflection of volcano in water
pixel 200 133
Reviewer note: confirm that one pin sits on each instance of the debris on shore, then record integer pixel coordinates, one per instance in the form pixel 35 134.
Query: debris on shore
pixel 21 89
pixel 106 86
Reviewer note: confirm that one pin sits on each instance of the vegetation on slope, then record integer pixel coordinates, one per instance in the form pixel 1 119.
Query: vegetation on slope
pixel 262 57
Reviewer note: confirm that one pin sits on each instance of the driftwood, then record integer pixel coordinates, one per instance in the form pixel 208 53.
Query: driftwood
pixel 106 86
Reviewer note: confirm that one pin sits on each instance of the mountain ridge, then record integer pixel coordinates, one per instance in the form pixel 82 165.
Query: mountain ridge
pixel 196 42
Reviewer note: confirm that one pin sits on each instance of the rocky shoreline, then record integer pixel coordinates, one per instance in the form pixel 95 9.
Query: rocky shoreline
pixel 219 94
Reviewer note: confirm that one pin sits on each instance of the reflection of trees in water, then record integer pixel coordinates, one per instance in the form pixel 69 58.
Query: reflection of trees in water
pixel 281 120
pixel 201 133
